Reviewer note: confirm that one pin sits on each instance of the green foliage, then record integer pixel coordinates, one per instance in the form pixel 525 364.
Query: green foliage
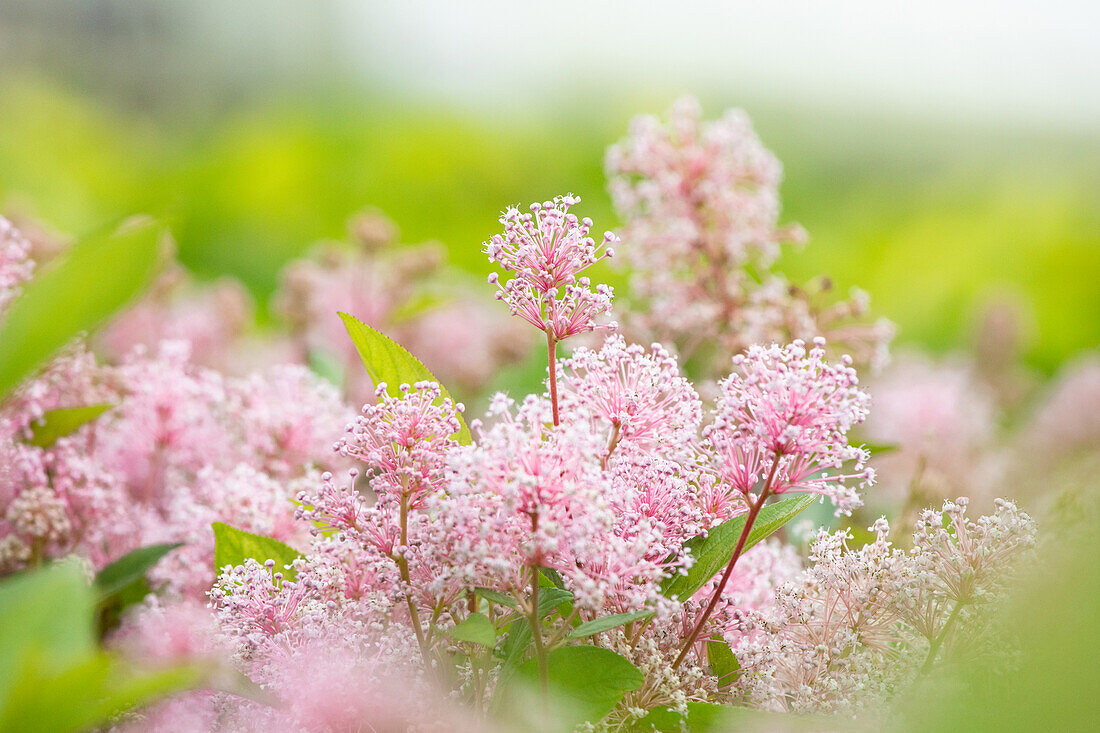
pixel 390 362
pixel 702 717
pixel 53 678
pixel 723 663
pixel 122 583
pixel 713 550
pixel 476 629
pixel 74 295
pixel 606 623
pixel 497 597
pixel 892 205
pixel 60 423
pixel 131 567
pixel 586 682
pixel 233 546
pixel 554 598
pixel 97 277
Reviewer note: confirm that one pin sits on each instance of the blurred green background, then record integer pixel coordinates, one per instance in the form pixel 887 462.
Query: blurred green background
pixel 256 135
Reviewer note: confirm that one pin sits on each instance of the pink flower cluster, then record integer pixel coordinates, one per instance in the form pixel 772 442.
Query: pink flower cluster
pixel 700 201
pixel 862 622
pixel 939 420
pixel 405 292
pixel 16 265
pixel 180 447
pixel 546 250
pixel 434 564
pixel 782 422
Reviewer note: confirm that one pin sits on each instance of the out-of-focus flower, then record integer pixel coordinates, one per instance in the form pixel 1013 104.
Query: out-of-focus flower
pixel 1065 428
pixel 861 622
pixel 211 318
pixel 701 206
pixel 16 265
pixel 940 420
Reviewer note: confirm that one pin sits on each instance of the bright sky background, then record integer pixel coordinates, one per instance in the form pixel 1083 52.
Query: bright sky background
pixel 1030 61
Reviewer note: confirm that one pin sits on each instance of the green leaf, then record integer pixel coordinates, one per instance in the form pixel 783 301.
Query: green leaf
pixel 878 449
pixel 130 568
pixel 476 629
pixel 549 577
pixel 326 366
pixel 75 294
pixel 606 623
pixel 233 546
pixel 586 682
pixel 702 717
pixel 85 695
pixel 59 423
pixel 723 663
pixel 53 678
pixel 512 653
pixel 388 361
pixel 46 615
pixel 551 598
pixel 713 550
pixel 496 597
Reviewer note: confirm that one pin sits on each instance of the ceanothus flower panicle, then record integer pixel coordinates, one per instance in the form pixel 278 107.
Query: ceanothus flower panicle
pixel 546 250
pixel 782 421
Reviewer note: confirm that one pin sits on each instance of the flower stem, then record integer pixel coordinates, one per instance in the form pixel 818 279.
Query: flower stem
pixel 750 519
pixel 536 632
pixel 612 444
pixel 934 647
pixel 406 578
pixel 552 357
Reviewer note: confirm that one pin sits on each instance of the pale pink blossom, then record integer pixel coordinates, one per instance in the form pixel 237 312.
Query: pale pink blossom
pixel 16 265
pixel 546 250
pixel 781 424
pixel 700 202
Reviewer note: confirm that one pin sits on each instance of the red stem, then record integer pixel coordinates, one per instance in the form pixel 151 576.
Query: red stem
pixel 552 357
pixel 754 510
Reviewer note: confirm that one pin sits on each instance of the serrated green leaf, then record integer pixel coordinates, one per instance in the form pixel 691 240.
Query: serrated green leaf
pixel 551 598
pixel 723 663
pixel 75 294
pixel 551 576
pixel 496 597
pixel 713 550
pixel 130 568
pixel 586 682
pixel 65 421
pixel 233 546
pixel 476 629
pixel 390 362
pixel 606 623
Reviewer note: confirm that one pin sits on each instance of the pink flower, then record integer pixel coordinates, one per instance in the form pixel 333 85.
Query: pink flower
pixel 547 250
pixel 700 202
pixel 211 318
pixel 782 423
pixel 15 263
pixel 636 393
pixel 404 440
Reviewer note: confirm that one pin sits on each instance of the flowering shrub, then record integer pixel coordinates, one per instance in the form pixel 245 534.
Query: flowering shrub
pixel 612 552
